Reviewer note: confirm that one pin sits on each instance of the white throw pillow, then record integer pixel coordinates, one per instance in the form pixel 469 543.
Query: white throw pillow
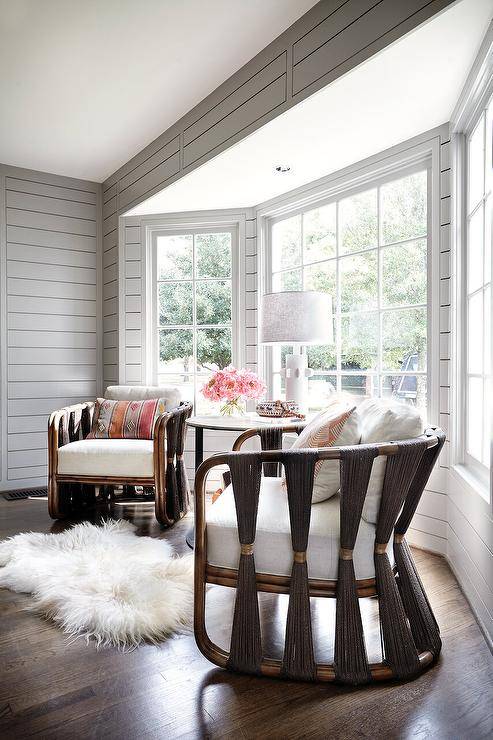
pixel 335 426
pixel 384 421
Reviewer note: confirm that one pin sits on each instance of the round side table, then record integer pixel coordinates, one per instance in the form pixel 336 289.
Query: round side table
pixel 227 424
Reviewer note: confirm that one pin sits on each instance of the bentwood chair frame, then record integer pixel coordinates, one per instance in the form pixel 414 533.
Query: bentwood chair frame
pixel 410 634
pixel 68 493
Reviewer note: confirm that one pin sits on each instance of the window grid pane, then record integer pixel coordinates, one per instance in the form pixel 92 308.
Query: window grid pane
pixel 194 313
pixel 373 268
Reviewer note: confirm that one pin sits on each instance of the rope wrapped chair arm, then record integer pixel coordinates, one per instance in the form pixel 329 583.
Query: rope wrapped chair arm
pixel 69 424
pixel 172 494
pixel 270 436
pixel 410 637
pixel 270 439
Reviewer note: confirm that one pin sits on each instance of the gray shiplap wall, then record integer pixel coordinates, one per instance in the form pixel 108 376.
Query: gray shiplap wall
pixel 50 339
pixel 325 43
pixel 110 286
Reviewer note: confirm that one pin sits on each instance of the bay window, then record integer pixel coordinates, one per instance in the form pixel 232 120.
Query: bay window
pixel 369 251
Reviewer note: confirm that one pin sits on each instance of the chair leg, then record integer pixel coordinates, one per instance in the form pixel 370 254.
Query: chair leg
pixel 160 503
pixel 88 495
pixel 58 499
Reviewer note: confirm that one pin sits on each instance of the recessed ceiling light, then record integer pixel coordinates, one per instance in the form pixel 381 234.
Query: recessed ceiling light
pixel 282 168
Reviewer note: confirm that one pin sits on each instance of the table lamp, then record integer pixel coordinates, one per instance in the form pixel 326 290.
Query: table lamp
pixel 297 318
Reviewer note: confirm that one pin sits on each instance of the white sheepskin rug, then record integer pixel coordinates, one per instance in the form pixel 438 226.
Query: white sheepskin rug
pixel 102 582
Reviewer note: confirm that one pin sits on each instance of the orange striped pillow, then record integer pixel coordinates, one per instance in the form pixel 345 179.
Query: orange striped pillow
pixel 125 419
pixel 335 426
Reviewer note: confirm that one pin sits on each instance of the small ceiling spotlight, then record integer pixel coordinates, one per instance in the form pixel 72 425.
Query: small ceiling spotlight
pixel 283 168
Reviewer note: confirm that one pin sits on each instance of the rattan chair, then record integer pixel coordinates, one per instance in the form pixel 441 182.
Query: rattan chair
pixel 410 634
pixel 157 463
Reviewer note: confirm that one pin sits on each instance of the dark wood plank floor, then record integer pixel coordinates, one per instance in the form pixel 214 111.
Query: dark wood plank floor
pixel 53 689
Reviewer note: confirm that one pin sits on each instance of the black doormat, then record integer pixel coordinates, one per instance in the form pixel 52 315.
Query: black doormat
pixel 26 493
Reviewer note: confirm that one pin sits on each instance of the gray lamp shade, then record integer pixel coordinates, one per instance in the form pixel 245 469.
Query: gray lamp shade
pixel 296 317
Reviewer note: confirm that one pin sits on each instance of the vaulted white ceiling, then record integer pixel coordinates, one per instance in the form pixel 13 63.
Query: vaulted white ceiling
pixel 86 84
pixel 408 88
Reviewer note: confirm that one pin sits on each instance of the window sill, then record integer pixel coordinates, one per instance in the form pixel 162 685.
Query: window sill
pixel 474 482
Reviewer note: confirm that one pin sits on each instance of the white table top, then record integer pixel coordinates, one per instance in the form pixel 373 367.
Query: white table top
pixel 239 423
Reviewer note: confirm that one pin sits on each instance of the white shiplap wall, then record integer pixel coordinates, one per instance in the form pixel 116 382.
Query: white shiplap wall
pixel 429 526
pixel 50 339
pixel 470 520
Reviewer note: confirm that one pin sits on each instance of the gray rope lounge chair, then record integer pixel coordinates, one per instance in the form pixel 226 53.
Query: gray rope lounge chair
pixel 410 634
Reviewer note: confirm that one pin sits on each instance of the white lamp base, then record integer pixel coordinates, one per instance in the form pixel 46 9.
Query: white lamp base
pixel 296 374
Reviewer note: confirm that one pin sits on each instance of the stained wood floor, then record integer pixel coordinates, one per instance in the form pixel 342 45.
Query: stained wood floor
pixel 52 689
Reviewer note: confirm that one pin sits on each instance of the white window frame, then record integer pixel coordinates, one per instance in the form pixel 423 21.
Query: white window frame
pixel 377 170
pixel 468 481
pixel 177 224
pixel 475 472
pixel 378 373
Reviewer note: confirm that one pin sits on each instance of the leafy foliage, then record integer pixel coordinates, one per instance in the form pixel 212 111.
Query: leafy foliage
pixel 212 301
pixel 403 216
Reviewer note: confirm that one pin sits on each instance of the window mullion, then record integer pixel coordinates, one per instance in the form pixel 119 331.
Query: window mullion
pixel 337 298
pixel 194 321
pixel 379 297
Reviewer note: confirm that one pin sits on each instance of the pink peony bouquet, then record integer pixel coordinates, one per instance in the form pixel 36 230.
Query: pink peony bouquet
pixel 233 386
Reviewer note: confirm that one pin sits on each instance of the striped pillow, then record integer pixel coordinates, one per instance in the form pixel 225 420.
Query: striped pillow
pixel 338 425
pixel 125 419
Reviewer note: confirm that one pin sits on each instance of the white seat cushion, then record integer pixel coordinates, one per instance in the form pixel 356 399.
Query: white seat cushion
pixel 273 551
pixel 171 394
pixel 132 458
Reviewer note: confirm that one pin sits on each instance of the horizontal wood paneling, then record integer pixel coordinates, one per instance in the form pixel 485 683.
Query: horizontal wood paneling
pixel 349 32
pixel 148 165
pixel 52 339
pixel 328 41
pixel 27 441
pixel 46 389
pixel 52 322
pixel 39 305
pixel 50 238
pixel 47 256
pixel 65 224
pixel 24 185
pixel 39 406
pixel 52 372
pixel 51 343
pixel 23 424
pixel 50 356
pixel 110 279
pixel 28 475
pixel 40 288
pixel 265 101
pixel 59 273
pixel 53 206
pixel 157 176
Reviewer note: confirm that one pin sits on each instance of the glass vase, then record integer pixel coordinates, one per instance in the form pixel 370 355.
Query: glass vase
pixel 235 407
